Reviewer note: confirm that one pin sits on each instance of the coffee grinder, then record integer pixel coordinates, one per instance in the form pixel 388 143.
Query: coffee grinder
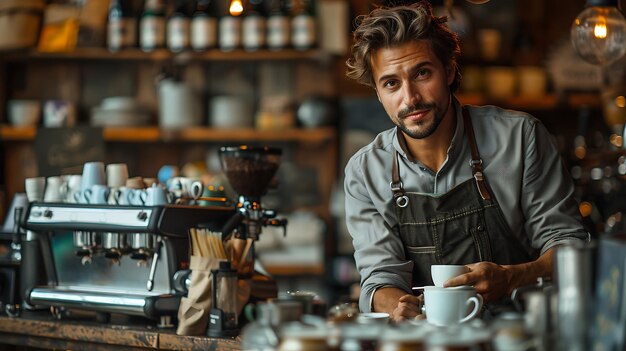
pixel 250 171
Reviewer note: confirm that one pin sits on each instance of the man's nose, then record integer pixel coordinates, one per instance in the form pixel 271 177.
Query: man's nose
pixel 410 94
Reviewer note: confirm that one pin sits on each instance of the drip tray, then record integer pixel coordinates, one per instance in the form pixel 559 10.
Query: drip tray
pixel 124 302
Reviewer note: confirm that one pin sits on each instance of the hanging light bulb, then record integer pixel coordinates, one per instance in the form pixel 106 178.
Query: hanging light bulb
pixel 477 1
pixel 236 8
pixel 598 34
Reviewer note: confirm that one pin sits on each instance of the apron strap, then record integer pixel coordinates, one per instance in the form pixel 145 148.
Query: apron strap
pixel 396 183
pixel 476 162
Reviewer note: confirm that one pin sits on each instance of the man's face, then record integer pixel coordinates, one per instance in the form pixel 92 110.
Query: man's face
pixel 413 86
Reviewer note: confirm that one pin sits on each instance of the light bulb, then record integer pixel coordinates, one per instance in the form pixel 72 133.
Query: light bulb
pixel 236 7
pixel 598 34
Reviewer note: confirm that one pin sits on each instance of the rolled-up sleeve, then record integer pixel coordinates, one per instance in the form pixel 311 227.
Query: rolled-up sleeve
pixel 548 202
pixel 379 253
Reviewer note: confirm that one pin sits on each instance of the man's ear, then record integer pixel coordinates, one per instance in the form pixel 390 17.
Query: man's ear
pixel 451 71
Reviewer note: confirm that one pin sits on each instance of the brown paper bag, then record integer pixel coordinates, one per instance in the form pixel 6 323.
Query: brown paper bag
pixel 193 312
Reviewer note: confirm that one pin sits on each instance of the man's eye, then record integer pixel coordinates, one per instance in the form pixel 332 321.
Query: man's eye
pixel 422 73
pixel 390 84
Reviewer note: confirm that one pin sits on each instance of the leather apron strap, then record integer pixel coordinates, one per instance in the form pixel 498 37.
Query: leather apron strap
pixel 476 162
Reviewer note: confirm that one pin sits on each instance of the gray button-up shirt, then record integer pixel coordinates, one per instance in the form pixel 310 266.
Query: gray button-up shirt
pixel 520 162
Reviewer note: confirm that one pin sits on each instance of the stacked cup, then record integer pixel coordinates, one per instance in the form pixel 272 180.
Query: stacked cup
pixel 449 306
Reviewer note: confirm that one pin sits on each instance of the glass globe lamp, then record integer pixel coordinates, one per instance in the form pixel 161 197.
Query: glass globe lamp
pixel 598 34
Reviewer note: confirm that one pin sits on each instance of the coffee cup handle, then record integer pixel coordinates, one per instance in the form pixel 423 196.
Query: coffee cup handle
pixel 478 304
pixel 87 195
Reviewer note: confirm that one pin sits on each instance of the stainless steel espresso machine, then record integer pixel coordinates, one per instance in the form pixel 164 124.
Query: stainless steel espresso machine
pixel 112 259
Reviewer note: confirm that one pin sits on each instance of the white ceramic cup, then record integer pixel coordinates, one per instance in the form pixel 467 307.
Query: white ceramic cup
pixel 98 194
pixel 24 113
pixel 59 113
pixel 71 185
pixel 136 197
pixel 120 195
pixel 450 306
pixel 156 195
pixel 117 174
pixel 54 190
pixel 35 188
pixel 93 173
pixel 442 272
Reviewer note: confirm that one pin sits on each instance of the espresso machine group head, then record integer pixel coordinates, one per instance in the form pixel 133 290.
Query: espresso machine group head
pixel 250 171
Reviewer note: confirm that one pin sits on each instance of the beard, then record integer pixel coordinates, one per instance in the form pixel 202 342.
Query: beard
pixel 424 128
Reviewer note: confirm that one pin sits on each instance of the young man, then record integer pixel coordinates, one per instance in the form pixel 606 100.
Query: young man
pixel 450 184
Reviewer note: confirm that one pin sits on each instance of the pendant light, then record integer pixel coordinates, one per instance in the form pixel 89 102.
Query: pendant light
pixel 598 34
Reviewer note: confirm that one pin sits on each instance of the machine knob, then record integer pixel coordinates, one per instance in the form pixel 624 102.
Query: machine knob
pixel 142 216
pixel 47 214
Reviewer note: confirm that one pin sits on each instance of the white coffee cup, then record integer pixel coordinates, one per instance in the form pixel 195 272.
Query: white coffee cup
pixel 35 188
pixel 54 190
pixel 98 194
pixel 71 185
pixel 117 174
pixel 120 195
pixel 24 113
pixel 156 195
pixel 93 173
pixel 442 272
pixel 450 306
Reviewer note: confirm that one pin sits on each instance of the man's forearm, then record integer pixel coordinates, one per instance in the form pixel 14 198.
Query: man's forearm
pixel 386 299
pixel 527 273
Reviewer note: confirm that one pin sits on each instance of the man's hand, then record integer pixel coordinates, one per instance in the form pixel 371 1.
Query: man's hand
pixel 495 281
pixel 409 307
pixel 490 280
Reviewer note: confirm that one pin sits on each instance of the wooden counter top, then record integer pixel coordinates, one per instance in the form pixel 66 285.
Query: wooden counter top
pixel 41 330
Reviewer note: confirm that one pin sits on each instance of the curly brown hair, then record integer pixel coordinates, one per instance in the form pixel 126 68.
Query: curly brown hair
pixel 389 26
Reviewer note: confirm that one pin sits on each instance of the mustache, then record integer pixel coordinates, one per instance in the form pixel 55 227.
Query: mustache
pixel 415 108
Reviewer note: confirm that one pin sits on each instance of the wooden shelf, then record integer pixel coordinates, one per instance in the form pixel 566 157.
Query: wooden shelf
pixel 197 134
pixel 545 102
pixel 163 55
pixel 294 269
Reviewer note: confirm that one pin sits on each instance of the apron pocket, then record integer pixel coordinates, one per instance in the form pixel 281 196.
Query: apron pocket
pixel 421 249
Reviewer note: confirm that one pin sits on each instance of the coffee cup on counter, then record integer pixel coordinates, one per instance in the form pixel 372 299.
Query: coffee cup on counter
pixel 449 306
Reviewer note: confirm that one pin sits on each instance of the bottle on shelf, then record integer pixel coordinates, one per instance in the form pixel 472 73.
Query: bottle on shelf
pixel 131 10
pixel 178 27
pixel 278 26
pixel 303 25
pixel 115 26
pixel 229 27
pixel 204 26
pixel 253 25
pixel 152 26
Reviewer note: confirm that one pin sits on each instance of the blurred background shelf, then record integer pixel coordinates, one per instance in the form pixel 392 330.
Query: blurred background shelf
pixel 155 134
pixel 164 55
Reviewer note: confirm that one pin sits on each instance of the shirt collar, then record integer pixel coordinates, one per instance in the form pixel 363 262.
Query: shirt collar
pixel 399 143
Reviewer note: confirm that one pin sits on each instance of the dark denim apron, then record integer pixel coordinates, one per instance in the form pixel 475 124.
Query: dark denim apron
pixel 463 226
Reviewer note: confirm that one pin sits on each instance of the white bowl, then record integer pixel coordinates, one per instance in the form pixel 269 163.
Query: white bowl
pixel 24 113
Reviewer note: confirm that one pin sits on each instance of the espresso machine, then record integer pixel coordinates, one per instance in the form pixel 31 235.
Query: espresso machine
pixel 112 259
